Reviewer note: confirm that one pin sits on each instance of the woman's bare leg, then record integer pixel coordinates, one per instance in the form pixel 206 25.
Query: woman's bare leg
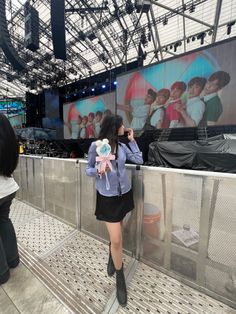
pixel 115 233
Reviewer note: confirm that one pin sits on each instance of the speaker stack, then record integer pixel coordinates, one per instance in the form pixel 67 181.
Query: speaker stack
pixel 58 28
pixel 31 27
pixel 5 41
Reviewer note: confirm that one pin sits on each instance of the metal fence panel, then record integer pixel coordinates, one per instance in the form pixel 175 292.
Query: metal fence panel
pixel 184 222
pixel 35 181
pixel 60 183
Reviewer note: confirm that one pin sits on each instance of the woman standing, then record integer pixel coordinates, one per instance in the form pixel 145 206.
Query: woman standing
pixel 9 257
pixel 114 203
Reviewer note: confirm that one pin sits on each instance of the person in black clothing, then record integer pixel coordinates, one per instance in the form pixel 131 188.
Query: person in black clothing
pixel 9 257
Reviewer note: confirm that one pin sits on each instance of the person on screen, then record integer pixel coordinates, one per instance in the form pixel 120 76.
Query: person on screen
pixel 75 127
pixel 158 114
pixel 97 124
pixel 155 119
pixel 214 107
pixel 140 113
pixel 172 115
pixel 192 113
pixel 90 125
pixel 113 203
pixel 107 112
pixel 83 129
pixel 9 152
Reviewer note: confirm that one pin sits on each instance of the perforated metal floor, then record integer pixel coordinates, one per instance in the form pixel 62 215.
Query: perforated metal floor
pixel 73 266
pixel 154 292
pixel 21 213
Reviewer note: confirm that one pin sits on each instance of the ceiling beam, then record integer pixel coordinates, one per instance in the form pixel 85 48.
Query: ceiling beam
pixel 217 19
pixel 156 33
pixel 180 13
pixel 184 29
pixel 105 34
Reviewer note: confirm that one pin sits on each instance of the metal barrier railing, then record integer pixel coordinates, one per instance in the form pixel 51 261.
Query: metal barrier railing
pixel 184 222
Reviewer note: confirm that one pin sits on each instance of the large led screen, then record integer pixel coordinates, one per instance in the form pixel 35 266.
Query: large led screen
pixel 82 118
pixel 14 110
pixel 196 89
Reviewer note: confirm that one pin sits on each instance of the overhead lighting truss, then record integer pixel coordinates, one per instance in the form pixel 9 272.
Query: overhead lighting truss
pixel 113 33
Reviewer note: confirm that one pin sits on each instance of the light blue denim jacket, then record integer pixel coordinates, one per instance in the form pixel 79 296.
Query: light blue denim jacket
pixel 118 179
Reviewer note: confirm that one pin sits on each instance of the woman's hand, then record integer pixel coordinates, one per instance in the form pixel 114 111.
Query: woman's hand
pixel 130 134
pixel 101 172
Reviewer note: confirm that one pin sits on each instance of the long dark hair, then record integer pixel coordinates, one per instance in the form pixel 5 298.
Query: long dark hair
pixel 109 129
pixel 8 148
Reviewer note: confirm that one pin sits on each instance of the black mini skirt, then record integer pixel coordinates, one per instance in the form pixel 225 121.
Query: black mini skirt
pixel 113 208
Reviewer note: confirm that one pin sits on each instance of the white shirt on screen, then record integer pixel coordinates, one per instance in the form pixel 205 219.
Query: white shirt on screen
pixel 74 129
pixel 140 114
pixel 157 116
pixel 195 108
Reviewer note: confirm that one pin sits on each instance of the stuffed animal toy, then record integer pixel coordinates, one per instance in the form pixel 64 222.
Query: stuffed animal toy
pixel 104 158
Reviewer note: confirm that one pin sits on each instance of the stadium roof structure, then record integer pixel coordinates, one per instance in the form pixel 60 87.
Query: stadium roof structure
pixel 101 35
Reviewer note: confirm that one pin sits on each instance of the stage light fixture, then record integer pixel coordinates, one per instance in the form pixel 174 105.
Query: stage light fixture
pixel 201 37
pixel 165 21
pixel 143 38
pixel 129 8
pixel 192 8
pixel 82 36
pixel 188 40
pixel 103 86
pixel 193 38
pixel 93 89
pixel 229 27
pixel 176 45
pixel 92 36
pixel 115 82
pixel 142 5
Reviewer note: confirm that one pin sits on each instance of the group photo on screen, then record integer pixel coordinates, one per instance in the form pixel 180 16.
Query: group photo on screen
pixel 83 118
pixel 195 90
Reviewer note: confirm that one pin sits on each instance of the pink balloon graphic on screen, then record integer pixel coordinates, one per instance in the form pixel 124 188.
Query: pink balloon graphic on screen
pixel 73 112
pixel 137 87
pixel 85 106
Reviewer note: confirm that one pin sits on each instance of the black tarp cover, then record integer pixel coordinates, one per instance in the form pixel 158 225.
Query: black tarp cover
pixel 213 155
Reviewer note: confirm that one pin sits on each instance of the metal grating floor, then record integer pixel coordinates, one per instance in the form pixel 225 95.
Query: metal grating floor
pixel 81 264
pixel 22 213
pixel 154 292
pixel 73 266
pixel 40 232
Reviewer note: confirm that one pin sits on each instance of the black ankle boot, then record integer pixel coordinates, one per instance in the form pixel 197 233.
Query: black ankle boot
pixel 14 263
pixel 110 266
pixel 4 278
pixel 121 291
